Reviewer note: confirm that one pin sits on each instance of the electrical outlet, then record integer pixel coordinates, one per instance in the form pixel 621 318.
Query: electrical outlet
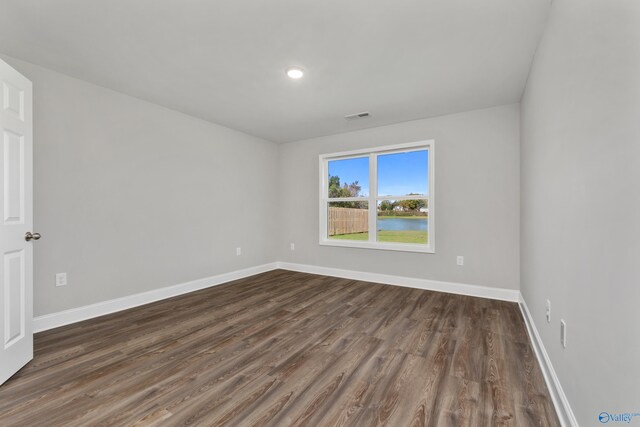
pixel 563 333
pixel 293 246
pixel 238 251
pixel 548 312
pixel 460 260
pixel 61 279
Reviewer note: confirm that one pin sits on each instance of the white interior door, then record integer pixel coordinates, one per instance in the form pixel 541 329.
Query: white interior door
pixel 16 208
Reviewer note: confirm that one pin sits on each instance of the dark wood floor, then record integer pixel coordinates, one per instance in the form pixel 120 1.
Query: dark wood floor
pixel 285 348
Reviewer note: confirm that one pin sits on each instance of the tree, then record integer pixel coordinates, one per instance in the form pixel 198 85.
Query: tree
pixel 352 189
pixel 387 205
pixel 334 186
pixel 346 190
pixel 411 205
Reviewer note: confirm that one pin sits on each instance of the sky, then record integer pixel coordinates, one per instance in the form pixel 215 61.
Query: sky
pixel 398 174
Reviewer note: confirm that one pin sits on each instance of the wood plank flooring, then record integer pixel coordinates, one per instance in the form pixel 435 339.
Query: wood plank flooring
pixel 285 348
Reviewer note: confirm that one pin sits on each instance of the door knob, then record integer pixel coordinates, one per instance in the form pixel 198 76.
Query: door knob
pixel 32 236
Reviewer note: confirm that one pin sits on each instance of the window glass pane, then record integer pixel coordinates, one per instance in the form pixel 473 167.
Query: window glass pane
pixel 403 221
pixel 348 221
pixel 403 174
pixel 349 177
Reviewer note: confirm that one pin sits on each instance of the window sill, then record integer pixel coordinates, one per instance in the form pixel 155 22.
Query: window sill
pixel 401 247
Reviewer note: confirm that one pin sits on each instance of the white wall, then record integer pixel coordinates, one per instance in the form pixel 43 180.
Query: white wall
pixel 581 202
pixel 130 196
pixel 477 199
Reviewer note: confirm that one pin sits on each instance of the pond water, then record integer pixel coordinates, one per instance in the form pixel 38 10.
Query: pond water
pixel 397 224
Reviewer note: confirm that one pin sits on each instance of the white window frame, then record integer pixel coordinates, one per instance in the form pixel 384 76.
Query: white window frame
pixel 373 197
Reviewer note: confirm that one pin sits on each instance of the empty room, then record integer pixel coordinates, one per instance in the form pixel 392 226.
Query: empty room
pixel 320 213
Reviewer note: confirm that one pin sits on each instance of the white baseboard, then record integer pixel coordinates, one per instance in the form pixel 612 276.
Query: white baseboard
pixel 511 295
pixel 66 317
pixel 563 409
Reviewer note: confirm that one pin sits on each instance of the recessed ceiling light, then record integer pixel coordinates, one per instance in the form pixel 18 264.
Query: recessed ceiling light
pixel 295 72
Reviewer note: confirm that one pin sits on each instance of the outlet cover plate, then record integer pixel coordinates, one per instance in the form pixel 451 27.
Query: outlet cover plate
pixel 61 279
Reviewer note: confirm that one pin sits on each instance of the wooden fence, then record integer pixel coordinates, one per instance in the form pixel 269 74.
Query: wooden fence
pixel 348 221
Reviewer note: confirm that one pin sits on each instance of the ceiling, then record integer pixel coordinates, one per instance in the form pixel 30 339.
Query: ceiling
pixel 225 61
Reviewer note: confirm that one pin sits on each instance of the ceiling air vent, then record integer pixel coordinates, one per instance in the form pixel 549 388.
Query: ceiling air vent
pixel 358 116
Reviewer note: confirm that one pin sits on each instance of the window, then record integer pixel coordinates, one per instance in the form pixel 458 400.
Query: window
pixel 380 198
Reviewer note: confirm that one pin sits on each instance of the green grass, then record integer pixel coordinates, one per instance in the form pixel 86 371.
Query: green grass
pixel 404 236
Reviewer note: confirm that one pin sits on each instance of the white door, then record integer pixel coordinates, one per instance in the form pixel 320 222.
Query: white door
pixel 16 208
